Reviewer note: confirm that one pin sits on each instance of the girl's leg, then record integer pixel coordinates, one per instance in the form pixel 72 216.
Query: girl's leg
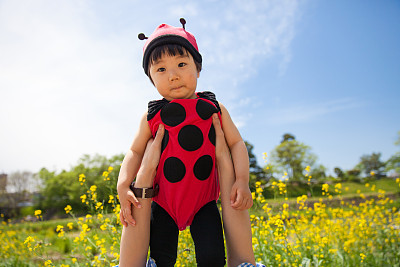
pixel 163 237
pixel 135 239
pixel 206 230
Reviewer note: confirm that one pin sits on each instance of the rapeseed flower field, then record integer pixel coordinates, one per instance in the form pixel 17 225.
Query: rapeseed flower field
pixel 326 231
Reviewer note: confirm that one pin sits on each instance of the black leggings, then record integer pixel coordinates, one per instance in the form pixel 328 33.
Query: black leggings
pixel 206 231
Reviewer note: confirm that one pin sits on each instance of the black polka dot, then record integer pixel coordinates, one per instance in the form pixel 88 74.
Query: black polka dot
pixel 190 138
pixel 173 114
pixel 205 109
pixel 211 134
pixel 203 167
pixel 174 169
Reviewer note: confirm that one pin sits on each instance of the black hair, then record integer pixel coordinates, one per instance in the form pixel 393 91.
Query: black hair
pixel 170 50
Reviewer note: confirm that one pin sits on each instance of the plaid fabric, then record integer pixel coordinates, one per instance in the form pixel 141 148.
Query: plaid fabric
pixel 151 263
pixel 246 264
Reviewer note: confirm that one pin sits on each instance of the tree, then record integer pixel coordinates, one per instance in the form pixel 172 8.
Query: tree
pixel 287 137
pixel 18 191
pixel 318 172
pixel 393 163
pixel 65 188
pixel 339 173
pixel 293 157
pixel 353 175
pixel 256 172
pixel 254 167
pixel 372 165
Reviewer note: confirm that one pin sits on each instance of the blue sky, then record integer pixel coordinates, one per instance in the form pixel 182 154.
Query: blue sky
pixel 71 81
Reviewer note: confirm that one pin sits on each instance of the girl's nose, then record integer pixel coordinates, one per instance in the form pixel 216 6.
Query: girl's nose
pixel 173 75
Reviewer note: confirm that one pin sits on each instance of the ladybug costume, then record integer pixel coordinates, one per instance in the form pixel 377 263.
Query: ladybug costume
pixel 186 174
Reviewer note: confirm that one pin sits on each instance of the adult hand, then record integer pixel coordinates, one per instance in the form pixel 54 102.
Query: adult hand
pixel 144 178
pixel 221 148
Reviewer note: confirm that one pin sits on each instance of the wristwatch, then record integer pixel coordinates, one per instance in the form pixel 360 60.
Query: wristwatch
pixel 149 192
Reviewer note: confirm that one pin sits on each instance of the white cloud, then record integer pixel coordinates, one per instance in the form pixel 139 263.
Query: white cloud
pixel 65 91
pixel 245 34
pixel 71 80
pixel 310 111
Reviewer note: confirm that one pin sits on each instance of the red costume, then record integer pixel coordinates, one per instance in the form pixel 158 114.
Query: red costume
pixel 186 174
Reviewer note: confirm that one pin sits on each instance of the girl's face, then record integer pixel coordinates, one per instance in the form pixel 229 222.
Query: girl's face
pixel 175 77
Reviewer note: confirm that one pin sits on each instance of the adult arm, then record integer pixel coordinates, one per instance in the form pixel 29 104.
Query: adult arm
pixel 135 238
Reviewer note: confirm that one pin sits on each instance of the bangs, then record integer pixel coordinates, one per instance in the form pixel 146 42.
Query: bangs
pixel 168 49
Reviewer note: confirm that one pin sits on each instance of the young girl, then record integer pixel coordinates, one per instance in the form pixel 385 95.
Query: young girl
pixel 186 175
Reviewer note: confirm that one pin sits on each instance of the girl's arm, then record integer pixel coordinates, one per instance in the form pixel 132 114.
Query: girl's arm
pixel 237 226
pixel 240 194
pixel 129 169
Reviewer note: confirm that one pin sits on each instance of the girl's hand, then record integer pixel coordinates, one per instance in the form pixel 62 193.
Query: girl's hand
pixel 144 178
pixel 241 198
pixel 127 199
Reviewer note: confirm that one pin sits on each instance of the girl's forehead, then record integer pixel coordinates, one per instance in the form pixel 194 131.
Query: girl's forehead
pixel 166 57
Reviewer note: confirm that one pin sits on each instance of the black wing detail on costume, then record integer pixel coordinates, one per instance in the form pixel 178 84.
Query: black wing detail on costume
pixel 154 106
pixel 210 96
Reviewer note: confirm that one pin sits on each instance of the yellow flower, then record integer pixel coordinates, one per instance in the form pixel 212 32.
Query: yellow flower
pixel 325 187
pixel 93 188
pixel 338 188
pixel 372 173
pixel 110 169
pixel 70 225
pixel 83 197
pixel 307 168
pixel 28 240
pixel 85 228
pixel 47 263
pixel 82 178
pixel 38 212
pixel 74 260
pixel 67 209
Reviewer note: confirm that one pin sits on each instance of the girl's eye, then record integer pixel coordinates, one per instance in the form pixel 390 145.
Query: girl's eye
pixel 182 64
pixel 160 69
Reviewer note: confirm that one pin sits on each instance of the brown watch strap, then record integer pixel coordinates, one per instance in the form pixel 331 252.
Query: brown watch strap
pixel 144 192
